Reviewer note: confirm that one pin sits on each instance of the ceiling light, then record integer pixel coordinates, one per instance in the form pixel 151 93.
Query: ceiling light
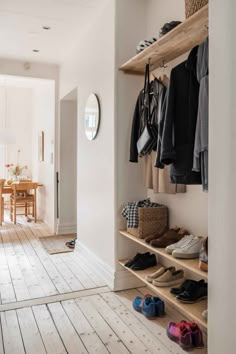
pixel 46 27
pixel 35 50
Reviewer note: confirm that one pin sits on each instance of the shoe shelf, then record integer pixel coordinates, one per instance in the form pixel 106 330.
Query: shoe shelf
pixel 189 264
pixel 191 311
pixel 180 40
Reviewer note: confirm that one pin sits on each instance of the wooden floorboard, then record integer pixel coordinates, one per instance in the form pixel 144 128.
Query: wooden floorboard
pixel 70 337
pixel 29 272
pixel 12 339
pixel 59 304
pixel 89 337
pixel 47 328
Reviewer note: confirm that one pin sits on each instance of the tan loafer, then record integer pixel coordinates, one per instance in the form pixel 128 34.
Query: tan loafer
pixel 156 274
pixel 170 278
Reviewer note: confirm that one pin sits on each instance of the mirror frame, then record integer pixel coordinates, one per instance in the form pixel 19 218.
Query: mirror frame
pixel 99 116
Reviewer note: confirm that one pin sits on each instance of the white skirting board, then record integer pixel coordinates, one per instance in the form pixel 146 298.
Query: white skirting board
pixel 116 280
pixel 125 280
pixel 66 228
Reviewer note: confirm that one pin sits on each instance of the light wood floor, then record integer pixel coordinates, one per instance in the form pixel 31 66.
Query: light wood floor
pixel 58 304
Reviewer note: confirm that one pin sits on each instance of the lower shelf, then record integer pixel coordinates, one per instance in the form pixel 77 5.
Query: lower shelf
pixel 191 311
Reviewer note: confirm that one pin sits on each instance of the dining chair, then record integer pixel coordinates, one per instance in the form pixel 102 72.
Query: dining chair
pixel 2 181
pixel 23 196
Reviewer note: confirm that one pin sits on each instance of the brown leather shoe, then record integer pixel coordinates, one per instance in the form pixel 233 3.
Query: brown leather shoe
pixel 148 239
pixel 171 236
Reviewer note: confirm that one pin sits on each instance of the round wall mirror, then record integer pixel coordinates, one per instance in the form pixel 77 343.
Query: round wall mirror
pixel 92 117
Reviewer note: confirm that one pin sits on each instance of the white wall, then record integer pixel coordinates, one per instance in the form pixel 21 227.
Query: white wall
pixel 68 167
pixel 16 117
pixel 222 194
pixel 189 210
pixel 90 67
pixel 128 176
pixel 43 171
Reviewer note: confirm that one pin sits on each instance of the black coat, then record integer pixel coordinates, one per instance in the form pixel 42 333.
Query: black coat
pixel 180 122
pixel 157 96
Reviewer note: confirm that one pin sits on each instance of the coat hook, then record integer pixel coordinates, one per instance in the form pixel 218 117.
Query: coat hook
pixel 163 65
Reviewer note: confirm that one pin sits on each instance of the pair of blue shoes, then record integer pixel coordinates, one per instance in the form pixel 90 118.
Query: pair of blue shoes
pixel 150 306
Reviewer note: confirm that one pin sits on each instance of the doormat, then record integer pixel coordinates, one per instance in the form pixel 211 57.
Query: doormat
pixel 57 243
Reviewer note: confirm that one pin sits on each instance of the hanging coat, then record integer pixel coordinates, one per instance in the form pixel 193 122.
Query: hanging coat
pixel 200 157
pixel 180 122
pixel 157 96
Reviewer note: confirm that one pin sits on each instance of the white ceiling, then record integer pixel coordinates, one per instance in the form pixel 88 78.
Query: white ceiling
pixel 21 24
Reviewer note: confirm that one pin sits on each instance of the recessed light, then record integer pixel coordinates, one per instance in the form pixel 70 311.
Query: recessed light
pixel 46 27
pixel 35 50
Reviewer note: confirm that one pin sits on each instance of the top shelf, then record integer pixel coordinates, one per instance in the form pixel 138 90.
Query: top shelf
pixel 180 40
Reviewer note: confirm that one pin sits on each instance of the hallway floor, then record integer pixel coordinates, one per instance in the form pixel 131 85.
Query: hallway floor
pixel 58 304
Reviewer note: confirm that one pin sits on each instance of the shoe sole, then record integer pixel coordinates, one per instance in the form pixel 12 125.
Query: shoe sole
pixel 185 347
pixel 192 302
pixel 185 255
pixel 168 283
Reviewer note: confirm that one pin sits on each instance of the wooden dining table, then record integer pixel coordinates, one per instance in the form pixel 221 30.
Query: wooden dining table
pixel 7 189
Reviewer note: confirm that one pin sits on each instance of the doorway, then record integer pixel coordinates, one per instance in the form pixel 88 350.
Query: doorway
pixel 67 187
pixel 27 113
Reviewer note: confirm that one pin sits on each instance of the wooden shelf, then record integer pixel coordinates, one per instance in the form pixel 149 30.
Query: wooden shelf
pixel 190 264
pixel 191 311
pixel 180 40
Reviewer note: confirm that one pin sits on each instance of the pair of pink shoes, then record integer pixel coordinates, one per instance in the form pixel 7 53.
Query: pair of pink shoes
pixel 187 334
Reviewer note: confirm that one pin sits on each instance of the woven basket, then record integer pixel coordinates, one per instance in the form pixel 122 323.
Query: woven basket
pixel 192 6
pixel 151 221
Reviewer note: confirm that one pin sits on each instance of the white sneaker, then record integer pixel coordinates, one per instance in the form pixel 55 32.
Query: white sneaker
pixel 180 244
pixel 190 250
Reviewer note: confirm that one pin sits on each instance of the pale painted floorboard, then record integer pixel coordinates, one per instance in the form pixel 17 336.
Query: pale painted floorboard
pixel 112 342
pixel 31 337
pixel 54 320
pixel 11 333
pixel 89 337
pixel 50 336
pixel 66 330
pixel 131 341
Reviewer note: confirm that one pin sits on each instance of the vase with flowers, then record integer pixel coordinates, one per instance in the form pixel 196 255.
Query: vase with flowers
pixel 15 170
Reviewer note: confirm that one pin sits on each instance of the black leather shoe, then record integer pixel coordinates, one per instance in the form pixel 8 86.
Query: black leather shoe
pixel 145 262
pixel 196 292
pixel 133 260
pixel 183 287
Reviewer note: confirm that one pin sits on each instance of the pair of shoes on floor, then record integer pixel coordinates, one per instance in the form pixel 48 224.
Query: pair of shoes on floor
pixel 169 237
pixel 187 334
pixel 188 247
pixel 142 261
pixel 166 277
pixel 150 306
pixel 191 291
pixel 71 244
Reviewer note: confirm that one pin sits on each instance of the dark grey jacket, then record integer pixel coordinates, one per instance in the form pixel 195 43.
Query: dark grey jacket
pixel 200 157
pixel 180 122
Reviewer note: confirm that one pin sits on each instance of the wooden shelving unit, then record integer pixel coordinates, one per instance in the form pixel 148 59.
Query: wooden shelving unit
pixel 190 264
pixel 180 40
pixel 191 311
